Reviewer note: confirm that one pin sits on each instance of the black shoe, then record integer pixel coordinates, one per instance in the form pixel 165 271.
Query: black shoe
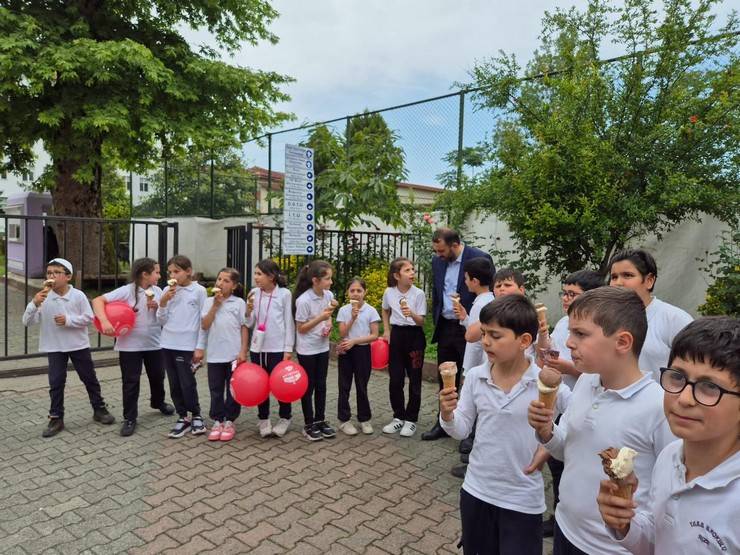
pixel 435 433
pixel 55 426
pixel 166 409
pixel 465 458
pixel 312 432
pixel 326 430
pixel 102 415
pixel 466 446
pixel 459 471
pixel 548 527
pixel 128 427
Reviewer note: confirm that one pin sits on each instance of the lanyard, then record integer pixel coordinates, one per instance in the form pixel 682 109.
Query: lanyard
pixel 263 326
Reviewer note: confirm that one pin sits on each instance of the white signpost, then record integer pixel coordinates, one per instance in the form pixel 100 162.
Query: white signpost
pixel 299 201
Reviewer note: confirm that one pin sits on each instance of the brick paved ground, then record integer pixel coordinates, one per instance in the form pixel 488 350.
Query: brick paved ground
pixel 90 490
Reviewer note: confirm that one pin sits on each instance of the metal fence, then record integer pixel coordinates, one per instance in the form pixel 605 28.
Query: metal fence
pixel 101 252
pixel 349 252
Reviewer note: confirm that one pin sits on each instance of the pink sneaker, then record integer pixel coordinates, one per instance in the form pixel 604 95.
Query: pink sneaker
pixel 216 431
pixel 228 431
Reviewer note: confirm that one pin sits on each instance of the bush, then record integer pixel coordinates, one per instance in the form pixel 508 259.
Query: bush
pixel 375 276
pixel 723 295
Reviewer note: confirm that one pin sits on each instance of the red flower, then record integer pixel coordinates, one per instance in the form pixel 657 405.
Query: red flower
pixel 693 119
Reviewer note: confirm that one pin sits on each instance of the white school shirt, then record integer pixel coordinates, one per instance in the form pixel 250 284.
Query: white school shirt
pixel 504 442
pixel 699 517
pixel 223 339
pixel 597 419
pixel 307 307
pixel 366 316
pixel 180 319
pixel 474 353
pixel 72 336
pixel 558 337
pixel 279 324
pixel 664 322
pixel 144 336
pixel 392 300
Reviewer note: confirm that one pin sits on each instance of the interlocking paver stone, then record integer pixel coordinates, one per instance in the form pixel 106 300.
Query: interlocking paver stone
pixel 90 490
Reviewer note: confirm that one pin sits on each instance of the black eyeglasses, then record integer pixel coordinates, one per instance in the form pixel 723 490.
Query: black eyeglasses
pixel 705 392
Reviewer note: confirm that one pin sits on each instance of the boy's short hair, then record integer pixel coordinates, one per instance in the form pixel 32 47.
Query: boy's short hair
pixel 448 236
pixel 585 279
pixel 509 273
pixel 514 312
pixel 613 309
pixel 480 269
pixel 714 340
pixel 642 260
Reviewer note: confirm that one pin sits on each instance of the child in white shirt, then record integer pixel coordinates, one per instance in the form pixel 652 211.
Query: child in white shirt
pixel 270 315
pixel 314 307
pixel 64 314
pixel 696 479
pixel 613 405
pixel 140 346
pixel 358 327
pixel 404 308
pixel 478 280
pixel 224 332
pixel 179 313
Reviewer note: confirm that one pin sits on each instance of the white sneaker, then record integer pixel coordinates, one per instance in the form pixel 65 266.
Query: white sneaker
pixel 265 428
pixel 281 427
pixel 409 429
pixel 393 426
pixel 366 428
pixel 347 428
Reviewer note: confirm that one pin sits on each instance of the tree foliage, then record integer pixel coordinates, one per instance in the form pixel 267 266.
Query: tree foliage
pixel 357 174
pixel 589 156
pixel 118 81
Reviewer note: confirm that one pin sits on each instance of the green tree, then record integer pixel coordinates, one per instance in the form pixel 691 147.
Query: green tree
pixel 112 80
pixel 589 156
pixel 357 174
pixel 188 190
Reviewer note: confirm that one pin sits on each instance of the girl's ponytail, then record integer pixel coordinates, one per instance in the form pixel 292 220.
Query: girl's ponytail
pixel 316 269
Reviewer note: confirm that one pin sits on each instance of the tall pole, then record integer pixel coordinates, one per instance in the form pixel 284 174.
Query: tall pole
pixel 213 189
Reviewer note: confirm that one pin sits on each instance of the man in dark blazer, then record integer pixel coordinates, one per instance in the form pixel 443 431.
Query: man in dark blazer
pixel 448 278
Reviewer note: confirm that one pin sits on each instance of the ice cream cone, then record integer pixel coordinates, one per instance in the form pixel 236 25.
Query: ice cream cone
pixel 215 290
pixel 354 302
pixel 548 383
pixel 618 464
pixel 624 489
pixel 448 371
pixel 149 293
pixel 49 283
pixel 171 282
pixel 541 313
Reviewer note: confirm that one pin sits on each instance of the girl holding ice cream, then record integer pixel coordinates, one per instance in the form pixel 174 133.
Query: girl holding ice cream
pixel 141 344
pixel 404 308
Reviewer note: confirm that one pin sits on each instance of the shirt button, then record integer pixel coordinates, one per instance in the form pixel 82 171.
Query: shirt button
pixel 595 406
pixel 675 497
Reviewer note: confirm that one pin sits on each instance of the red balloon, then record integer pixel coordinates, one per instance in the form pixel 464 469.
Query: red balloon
pixel 379 353
pixel 288 381
pixel 121 316
pixel 250 384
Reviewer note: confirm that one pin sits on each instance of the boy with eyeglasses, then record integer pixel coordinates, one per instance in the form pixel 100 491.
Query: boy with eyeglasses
pixel 695 493
pixel 613 405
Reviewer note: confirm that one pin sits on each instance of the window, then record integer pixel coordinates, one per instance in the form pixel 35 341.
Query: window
pixel 128 183
pixel 143 185
pixel 4 174
pixel 27 176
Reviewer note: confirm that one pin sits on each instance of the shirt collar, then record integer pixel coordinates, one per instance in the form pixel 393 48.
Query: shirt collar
pixel 459 258
pixel 66 296
pixel 530 374
pixel 314 296
pixel 630 390
pixel 719 477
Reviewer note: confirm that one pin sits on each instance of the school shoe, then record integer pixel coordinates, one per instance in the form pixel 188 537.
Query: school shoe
pixel 102 415
pixel 128 428
pixel 366 428
pixel 166 409
pixel 409 429
pixel 180 428
pixel 459 471
pixel 54 426
pixel 198 426
pixel 215 433
pixel 466 445
pixel 326 430
pixel 228 431
pixel 465 458
pixel 281 427
pixel 393 426
pixel 435 433
pixel 347 428
pixel 265 428
pixel 312 433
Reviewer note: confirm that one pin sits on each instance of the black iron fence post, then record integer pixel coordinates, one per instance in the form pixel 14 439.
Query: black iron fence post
pixel 213 189
pixel 248 262
pixel 269 173
pixel 162 230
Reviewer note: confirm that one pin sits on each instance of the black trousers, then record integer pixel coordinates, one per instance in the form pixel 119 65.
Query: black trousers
pixel 269 361
pixel 183 387
pixel 131 363
pixel 562 546
pixel 450 346
pixel 406 360
pixel 219 376
pixel 83 363
pixel 491 530
pixel 355 363
pixel 313 401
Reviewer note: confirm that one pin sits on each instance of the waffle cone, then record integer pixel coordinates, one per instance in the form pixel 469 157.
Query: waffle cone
pixel 549 399
pixel 624 490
